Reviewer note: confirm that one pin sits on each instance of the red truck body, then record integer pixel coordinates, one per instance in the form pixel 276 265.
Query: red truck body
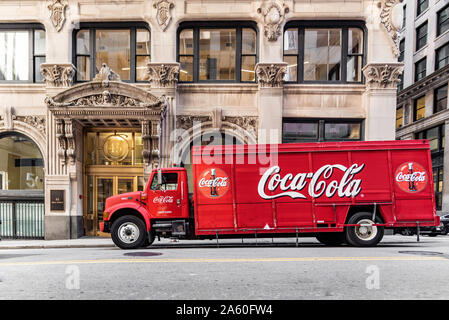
pixel 323 189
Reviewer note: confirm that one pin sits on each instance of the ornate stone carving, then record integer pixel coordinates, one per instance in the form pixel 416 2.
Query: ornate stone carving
pixel 58 75
pixel 186 122
pixel 37 122
pixel 163 75
pixel 273 15
pixel 106 74
pixel 62 142
pixel 247 123
pixel 163 15
pixel 57 13
pixel 271 74
pixel 150 140
pixel 388 19
pixel 383 75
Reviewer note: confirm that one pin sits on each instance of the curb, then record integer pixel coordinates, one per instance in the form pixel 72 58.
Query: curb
pixel 66 246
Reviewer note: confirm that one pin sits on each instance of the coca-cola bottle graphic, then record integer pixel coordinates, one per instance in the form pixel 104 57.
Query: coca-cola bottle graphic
pixel 411 181
pixel 213 187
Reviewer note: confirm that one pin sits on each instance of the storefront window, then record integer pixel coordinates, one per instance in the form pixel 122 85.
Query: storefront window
pixel 21 164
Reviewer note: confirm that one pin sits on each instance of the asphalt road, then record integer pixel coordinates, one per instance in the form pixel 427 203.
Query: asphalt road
pixel 398 268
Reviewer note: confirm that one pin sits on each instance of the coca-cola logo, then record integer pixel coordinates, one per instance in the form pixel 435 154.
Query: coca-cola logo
pixel 319 183
pixel 163 199
pixel 213 183
pixel 411 177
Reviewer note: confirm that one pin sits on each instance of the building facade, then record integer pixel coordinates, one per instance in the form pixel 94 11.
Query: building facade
pixel 422 106
pixel 95 94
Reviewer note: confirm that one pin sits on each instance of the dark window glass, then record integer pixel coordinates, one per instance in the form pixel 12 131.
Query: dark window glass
pixel 323 54
pixel 22 51
pixel 442 56
pixel 126 50
pixel 404 15
pixel 401 50
pixel 297 130
pixel 421 36
pixel 419 109
pixel 440 99
pixel 169 182
pixel 420 69
pixel 443 20
pixel 422 5
pixel 217 52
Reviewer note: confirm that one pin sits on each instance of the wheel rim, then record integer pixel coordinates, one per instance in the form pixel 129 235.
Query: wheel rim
pixel 366 231
pixel 128 232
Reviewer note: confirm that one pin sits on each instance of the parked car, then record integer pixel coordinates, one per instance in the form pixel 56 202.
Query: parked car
pixel 442 229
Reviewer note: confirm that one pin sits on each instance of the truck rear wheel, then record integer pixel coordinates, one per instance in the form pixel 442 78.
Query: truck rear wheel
pixel 364 235
pixel 128 232
pixel 331 238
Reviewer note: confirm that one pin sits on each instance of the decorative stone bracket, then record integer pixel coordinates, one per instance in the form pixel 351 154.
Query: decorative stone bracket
pixel 383 75
pixel 163 14
pixel 163 75
pixel 65 134
pixel 389 18
pixel 273 15
pixel 150 139
pixel 271 75
pixel 58 75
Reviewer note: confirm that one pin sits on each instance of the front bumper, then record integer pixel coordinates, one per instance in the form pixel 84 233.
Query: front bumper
pixel 105 226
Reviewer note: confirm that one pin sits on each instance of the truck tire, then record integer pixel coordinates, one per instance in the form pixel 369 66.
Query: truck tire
pixel 128 232
pixel 149 239
pixel 331 238
pixel 363 236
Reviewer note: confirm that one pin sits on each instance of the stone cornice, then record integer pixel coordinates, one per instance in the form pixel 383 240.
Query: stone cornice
pixel 425 123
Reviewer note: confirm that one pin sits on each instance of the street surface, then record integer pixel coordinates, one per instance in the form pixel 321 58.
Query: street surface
pixel 398 268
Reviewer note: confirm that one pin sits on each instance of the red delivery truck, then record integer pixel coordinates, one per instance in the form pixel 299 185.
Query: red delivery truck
pixel 338 192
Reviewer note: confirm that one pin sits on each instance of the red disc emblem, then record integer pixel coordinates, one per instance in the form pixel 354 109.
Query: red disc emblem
pixel 213 183
pixel 411 177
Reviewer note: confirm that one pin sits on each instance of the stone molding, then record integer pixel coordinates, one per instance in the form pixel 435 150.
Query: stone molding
pixel 388 22
pixel 163 13
pixel 57 12
pixel 163 75
pixel 273 15
pixel 58 75
pixel 271 75
pixel 383 75
pixel 38 122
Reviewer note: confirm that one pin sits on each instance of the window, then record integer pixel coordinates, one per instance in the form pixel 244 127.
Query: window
pixel 320 52
pixel 442 56
pixel 421 36
pixel 312 130
pixel 216 52
pixel 22 51
pixel 404 16
pixel 440 99
pixel 443 20
pixel 401 82
pixel 399 117
pixel 420 69
pixel 124 48
pixel 422 6
pixel 436 137
pixel 419 108
pixel 401 50
pixel 169 182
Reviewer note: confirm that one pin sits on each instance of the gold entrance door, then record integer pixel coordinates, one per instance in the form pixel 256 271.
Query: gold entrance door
pixel 113 165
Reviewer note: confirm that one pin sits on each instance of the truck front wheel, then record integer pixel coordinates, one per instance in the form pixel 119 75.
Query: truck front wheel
pixel 128 232
pixel 365 234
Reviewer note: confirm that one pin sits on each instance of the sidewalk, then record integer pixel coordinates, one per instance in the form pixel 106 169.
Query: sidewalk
pixel 84 242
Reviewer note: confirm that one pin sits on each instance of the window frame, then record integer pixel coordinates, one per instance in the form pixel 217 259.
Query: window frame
pixel 425 69
pixel 438 32
pixel 92 27
pixel 399 118
pixel 437 57
pixel 321 123
pixel 422 25
pixel 435 98
pixel 30 28
pixel 415 105
pixel 344 26
pixel 238 26
pixel 401 48
pixel 418 7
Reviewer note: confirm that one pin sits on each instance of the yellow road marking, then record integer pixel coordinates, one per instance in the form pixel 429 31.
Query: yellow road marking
pixel 212 260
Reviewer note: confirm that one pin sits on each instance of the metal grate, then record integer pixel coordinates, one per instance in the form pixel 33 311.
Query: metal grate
pixel 22 219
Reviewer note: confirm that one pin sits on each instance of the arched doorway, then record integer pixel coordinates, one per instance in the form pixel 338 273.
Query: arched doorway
pixel 21 187
pixel 208 138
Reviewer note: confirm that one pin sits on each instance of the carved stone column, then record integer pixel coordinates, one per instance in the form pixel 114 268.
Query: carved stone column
pixel 58 75
pixel 270 77
pixel 380 99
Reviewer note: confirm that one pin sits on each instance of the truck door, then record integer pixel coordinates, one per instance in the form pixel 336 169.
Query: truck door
pixel 165 200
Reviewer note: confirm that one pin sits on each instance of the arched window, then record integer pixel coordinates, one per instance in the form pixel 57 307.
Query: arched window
pixel 124 47
pixel 21 164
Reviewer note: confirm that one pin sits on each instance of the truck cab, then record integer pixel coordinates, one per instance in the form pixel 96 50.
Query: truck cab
pixel 162 209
